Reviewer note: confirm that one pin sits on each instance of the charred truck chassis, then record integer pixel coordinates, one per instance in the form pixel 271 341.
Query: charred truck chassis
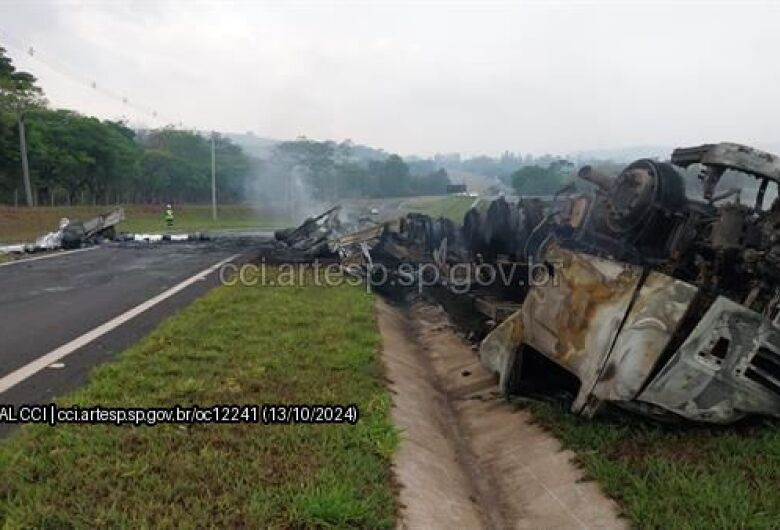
pixel 655 302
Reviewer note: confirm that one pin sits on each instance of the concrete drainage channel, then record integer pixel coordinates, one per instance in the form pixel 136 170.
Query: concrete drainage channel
pixel 467 459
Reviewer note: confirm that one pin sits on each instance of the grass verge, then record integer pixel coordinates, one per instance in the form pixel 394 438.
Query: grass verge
pixel 679 477
pixel 453 207
pixel 191 217
pixel 26 224
pixel 236 345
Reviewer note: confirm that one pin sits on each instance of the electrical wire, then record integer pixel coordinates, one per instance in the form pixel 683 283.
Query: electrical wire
pixel 62 69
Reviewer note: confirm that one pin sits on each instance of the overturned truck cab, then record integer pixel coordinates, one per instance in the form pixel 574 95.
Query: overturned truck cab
pixel 626 335
pixel 656 303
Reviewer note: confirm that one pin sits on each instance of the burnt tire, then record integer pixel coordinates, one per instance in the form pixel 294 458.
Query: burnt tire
pixel 108 233
pixel 73 235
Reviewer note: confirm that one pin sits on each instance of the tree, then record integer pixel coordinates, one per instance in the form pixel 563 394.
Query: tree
pixel 354 179
pixel 74 153
pixel 392 176
pixel 434 183
pixel 537 180
pixel 176 166
pixel 314 163
pixel 10 166
pixel 18 95
pixel 233 168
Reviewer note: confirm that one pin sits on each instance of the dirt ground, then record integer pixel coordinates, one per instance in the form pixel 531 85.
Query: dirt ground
pixel 469 459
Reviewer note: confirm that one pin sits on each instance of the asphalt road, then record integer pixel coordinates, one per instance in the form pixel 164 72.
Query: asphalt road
pixel 48 302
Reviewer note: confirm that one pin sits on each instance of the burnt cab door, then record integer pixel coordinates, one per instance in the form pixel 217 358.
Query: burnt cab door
pixel 604 321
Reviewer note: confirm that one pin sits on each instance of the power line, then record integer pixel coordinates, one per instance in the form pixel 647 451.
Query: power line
pixel 54 64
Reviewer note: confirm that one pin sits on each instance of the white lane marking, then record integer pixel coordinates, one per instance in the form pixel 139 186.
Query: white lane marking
pixel 47 256
pixel 32 368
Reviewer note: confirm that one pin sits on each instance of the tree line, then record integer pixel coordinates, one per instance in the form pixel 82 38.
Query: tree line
pixel 78 159
pixel 542 180
pixel 327 171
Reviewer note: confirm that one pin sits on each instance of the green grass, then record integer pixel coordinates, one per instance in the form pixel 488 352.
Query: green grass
pixel 681 476
pixel 236 345
pixel 26 224
pixel 199 217
pixel 453 207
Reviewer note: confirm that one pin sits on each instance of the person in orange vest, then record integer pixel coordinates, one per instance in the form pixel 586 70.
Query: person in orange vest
pixel 169 215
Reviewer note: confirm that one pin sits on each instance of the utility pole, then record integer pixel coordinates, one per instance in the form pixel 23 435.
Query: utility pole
pixel 213 177
pixel 25 163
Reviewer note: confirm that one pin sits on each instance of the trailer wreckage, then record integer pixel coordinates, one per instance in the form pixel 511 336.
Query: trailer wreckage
pixel 73 234
pixel 652 301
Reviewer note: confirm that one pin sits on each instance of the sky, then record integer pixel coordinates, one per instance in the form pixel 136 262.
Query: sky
pixel 416 78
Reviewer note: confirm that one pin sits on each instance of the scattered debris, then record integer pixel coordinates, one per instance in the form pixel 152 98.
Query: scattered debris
pixel 104 225
pixel 17 248
pixel 326 236
pixel 73 234
pixel 633 293
pixel 156 238
pixel 313 235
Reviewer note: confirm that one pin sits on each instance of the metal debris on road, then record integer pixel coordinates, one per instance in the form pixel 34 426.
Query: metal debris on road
pixel 73 234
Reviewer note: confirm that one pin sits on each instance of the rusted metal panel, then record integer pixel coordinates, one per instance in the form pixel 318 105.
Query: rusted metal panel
pixel 728 367
pixel 575 317
pixel 654 317
pixel 498 350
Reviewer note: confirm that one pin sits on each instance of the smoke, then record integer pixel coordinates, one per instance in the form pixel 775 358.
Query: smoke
pixel 300 199
pixel 281 188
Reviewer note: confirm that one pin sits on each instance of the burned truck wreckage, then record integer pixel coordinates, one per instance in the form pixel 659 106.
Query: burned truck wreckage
pixel 650 300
